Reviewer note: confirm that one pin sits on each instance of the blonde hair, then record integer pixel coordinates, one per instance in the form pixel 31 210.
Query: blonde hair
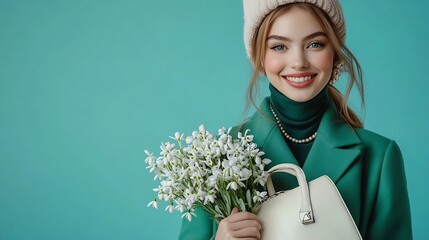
pixel 342 54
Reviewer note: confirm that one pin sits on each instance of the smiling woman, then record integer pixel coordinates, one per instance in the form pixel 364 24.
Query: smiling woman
pixel 318 26
pixel 300 47
pixel 299 66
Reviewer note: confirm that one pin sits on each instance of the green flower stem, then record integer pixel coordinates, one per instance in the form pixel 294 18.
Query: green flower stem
pixel 226 201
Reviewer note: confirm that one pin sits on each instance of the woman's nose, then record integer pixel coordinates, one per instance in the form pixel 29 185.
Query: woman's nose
pixel 298 60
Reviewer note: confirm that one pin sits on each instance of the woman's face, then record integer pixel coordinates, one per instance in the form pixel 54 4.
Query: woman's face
pixel 299 57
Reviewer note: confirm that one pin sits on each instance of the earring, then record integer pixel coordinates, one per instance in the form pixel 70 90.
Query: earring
pixel 336 73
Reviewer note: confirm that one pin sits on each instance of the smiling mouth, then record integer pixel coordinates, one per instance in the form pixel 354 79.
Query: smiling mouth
pixel 299 79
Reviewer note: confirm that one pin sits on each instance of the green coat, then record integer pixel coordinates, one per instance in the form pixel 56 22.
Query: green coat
pixel 367 169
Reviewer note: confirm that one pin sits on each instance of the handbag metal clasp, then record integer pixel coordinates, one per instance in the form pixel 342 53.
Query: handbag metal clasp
pixel 306 217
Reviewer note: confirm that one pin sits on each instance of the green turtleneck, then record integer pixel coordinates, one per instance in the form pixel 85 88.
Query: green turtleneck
pixel 299 119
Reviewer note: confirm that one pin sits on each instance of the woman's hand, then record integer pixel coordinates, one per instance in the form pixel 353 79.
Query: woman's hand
pixel 239 225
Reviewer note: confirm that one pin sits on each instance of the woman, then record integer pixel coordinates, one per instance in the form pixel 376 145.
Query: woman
pixel 300 48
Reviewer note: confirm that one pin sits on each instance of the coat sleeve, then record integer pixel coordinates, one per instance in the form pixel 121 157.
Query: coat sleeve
pixel 391 217
pixel 202 227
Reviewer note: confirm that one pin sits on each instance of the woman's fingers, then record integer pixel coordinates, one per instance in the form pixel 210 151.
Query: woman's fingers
pixel 248 232
pixel 234 210
pixel 250 223
pixel 239 216
pixel 239 225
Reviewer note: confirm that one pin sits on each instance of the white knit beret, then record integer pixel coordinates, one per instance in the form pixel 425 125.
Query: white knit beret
pixel 256 10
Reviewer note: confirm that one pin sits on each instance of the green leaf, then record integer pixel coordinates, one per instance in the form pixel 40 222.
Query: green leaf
pixel 219 214
pixel 218 209
pixel 249 199
pixel 228 203
pixel 242 205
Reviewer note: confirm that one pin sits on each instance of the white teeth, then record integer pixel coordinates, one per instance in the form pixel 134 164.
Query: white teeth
pixel 299 79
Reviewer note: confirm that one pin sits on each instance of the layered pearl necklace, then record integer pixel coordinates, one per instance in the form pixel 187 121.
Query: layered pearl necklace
pixel 286 135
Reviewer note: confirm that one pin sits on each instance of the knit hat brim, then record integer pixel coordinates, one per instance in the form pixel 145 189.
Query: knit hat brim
pixel 256 10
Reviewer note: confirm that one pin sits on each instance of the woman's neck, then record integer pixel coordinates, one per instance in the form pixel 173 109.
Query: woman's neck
pixel 299 118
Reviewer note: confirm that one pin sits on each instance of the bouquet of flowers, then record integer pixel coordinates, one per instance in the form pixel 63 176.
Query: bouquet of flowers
pixel 214 173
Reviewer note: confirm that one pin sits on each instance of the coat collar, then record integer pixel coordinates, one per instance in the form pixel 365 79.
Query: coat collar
pixel 335 148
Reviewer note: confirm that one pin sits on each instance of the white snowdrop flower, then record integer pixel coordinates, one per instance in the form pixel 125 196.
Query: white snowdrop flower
pixel 153 204
pixel 232 185
pixel 201 194
pixel 212 181
pixel 152 169
pixel 221 131
pixel 161 196
pixel 188 215
pixel 216 171
pixel 224 131
pixel 201 128
pixel 150 158
pixel 170 208
pixel 210 136
pixel 214 152
pixel 209 198
pixel 256 198
pixel 232 162
pixel 261 178
pixel 228 130
pixel 221 144
pixel 189 140
pixel 167 189
pixel 259 196
pixel 178 136
pixel 266 161
pixel 249 138
pixel 209 162
pixel 258 160
pixel 225 163
pixel 166 148
pixel 151 161
pixel 191 199
pixel 177 154
pixel 245 174
pixel 180 207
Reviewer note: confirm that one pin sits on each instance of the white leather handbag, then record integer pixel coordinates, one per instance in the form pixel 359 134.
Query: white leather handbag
pixel 310 211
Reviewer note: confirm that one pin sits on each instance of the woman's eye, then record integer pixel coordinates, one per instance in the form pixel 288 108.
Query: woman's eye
pixel 315 45
pixel 279 48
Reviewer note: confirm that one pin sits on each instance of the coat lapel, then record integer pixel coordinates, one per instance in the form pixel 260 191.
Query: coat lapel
pixel 334 149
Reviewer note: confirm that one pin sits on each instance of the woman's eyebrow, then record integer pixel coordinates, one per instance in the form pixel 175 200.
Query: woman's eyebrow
pixel 282 38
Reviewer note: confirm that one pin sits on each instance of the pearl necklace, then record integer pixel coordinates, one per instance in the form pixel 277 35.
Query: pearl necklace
pixel 287 136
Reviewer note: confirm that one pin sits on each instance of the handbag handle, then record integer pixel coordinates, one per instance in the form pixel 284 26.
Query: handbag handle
pixel 306 212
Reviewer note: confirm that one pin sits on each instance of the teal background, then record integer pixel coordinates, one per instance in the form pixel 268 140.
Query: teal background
pixel 86 86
